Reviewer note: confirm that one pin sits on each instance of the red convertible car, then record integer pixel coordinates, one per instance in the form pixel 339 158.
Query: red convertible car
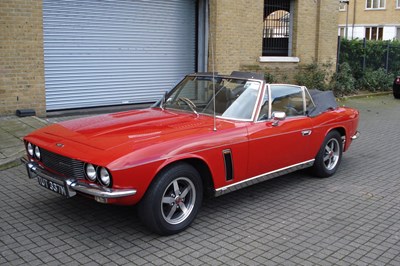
pixel 210 135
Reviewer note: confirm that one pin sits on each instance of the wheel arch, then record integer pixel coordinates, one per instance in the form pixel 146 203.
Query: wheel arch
pixel 201 167
pixel 342 132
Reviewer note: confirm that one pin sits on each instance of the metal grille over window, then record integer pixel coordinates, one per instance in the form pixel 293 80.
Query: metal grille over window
pixel 276 31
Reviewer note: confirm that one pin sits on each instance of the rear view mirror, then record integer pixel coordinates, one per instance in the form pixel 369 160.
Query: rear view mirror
pixel 278 116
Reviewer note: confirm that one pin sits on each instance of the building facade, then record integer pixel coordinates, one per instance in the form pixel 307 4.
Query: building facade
pixel 58 55
pixel 369 19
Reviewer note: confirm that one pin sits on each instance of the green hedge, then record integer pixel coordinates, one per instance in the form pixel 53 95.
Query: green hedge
pixel 363 65
pixel 363 56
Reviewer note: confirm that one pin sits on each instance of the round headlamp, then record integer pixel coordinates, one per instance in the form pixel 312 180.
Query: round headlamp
pixel 37 152
pixel 90 171
pixel 30 148
pixel 105 177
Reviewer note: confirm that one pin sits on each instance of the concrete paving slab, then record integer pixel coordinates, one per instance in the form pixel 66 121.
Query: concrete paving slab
pixel 12 130
pixel 351 218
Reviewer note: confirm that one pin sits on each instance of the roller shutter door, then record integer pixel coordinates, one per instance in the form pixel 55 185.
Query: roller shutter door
pixel 111 52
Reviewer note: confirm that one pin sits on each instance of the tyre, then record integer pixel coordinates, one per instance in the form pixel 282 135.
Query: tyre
pixel 173 200
pixel 329 156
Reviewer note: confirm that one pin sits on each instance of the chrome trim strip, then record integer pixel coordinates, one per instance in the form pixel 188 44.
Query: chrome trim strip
pixel 74 185
pixel 263 177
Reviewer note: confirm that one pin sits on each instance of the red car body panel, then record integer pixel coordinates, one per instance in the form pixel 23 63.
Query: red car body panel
pixel 136 145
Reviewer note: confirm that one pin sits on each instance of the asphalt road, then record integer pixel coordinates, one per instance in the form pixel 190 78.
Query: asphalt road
pixel 352 218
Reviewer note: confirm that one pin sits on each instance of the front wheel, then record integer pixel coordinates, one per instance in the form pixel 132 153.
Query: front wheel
pixel 329 156
pixel 172 200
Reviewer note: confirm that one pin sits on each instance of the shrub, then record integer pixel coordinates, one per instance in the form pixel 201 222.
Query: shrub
pixel 269 78
pixel 376 80
pixel 343 82
pixel 374 55
pixel 314 76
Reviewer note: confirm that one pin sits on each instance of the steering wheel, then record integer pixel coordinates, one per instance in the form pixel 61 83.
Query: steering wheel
pixel 187 101
pixel 291 111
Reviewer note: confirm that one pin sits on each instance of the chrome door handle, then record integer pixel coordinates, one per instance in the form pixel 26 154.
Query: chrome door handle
pixel 306 132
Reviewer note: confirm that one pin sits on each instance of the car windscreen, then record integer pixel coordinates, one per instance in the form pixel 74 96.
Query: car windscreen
pixel 230 98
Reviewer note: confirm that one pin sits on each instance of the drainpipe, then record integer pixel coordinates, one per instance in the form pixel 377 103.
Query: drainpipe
pixel 354 18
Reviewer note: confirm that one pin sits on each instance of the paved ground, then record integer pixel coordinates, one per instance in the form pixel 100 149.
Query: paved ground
pixel 352 218
pixel 12 129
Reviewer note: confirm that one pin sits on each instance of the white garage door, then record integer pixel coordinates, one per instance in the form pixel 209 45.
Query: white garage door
pixel 111 52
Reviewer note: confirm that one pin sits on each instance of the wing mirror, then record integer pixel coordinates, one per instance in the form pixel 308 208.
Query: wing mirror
pixel 276 117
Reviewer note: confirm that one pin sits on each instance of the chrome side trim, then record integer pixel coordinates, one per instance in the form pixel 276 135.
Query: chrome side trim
pixel 263 177
pixel 75 185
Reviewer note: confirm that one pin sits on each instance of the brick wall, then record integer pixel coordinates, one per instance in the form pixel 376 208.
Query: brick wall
pixel 358 14
pixel 21 56
pixel 236 28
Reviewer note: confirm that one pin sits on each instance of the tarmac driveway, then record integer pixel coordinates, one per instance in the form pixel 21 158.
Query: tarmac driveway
pixel 352 218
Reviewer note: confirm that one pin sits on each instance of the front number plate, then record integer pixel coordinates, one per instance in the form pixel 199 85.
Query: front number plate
pixel 60 189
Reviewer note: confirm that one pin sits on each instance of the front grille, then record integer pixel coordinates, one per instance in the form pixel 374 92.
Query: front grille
pixel 62 165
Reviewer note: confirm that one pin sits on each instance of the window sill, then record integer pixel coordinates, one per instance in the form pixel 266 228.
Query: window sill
pixel 278 59
pixel 376 9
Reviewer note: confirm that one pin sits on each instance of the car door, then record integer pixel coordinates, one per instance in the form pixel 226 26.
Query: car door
pixel 276 144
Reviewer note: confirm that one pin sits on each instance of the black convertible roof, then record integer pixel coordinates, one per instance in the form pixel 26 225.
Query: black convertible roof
pixel 323 100
pixel 236 74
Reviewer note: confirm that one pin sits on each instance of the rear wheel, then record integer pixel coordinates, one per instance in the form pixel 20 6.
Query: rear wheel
pixel 329 156
pixel 173 200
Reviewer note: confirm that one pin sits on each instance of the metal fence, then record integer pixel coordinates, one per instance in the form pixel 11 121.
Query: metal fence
pixel 364 55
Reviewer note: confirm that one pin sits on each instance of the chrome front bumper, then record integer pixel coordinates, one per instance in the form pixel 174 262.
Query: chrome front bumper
pixel 356 135
pixel 73 185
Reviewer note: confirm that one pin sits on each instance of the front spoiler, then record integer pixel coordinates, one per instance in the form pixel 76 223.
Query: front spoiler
pixel 74 185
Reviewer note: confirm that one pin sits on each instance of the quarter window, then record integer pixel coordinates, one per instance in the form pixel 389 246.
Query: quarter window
pixel 375 4
pixel 374 33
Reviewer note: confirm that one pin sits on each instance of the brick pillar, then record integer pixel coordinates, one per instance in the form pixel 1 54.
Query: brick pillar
pixel 21 57
pixel 236 32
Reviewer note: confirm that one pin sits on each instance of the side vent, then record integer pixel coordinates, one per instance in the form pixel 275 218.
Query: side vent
pixel 228 164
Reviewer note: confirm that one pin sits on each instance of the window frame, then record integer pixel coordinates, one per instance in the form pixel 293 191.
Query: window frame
pixel 283 59
pixel 290 30
pixel 303 94
pixel 379 37
pixel 372 5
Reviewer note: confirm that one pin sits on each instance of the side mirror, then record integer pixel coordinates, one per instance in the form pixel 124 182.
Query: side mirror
pixel 278 116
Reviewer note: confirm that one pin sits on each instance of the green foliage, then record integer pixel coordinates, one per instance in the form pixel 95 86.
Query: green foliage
pixel 376 80
pixel 269 78
pixel 314 76
pixel 372 64
pixel 372 56
pixel 343 82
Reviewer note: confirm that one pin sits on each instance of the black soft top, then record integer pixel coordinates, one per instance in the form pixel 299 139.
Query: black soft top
pixel 323 100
